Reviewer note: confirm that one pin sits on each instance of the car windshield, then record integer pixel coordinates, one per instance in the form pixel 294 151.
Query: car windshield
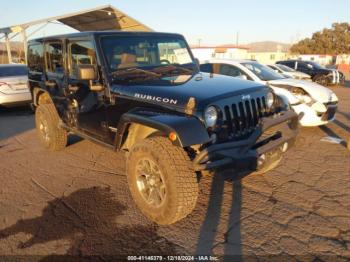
pixel 285 68
pixel 7 71
pixel 161 53
pixel 315 65
pixel 265 73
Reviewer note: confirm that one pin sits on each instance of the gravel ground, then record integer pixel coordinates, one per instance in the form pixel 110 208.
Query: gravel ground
pixel 76 202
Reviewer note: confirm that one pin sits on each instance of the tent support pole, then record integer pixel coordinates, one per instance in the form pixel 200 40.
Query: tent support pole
pixel 8 48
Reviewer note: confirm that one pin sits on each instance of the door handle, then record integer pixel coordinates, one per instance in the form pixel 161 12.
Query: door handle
pixel 50 84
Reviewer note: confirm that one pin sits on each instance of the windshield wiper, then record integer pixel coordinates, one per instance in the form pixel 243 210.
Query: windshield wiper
pixel 172 68
pixel 133 72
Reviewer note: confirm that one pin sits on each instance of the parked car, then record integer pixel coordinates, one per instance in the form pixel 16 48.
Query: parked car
pixel 142 93
pixel 319 74
pixel 14 85
pixel 315 104
pixel 289 72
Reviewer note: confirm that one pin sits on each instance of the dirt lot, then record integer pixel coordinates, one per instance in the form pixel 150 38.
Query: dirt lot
pixel 76 202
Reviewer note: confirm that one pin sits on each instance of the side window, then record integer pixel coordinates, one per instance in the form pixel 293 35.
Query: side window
pixel 54 58
pixel 230 70
pixel 290 64
pixel 80 53
pixel 302 66
pixel 36 58
pixel 207 68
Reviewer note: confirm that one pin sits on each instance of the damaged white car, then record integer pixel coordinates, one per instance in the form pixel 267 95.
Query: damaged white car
pixel 315 104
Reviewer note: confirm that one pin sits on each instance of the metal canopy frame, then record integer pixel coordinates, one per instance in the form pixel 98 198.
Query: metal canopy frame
pixel 96 19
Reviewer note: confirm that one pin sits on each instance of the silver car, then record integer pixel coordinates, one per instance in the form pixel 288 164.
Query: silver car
pixel 14 85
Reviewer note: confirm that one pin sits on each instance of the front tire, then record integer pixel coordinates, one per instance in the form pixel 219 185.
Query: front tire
pixel 321 79
pixel 50 134
pixel 268 167
pixel 161 180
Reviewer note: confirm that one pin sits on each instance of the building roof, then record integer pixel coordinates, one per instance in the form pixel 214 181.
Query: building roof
pixel 101 18
pixel 268 46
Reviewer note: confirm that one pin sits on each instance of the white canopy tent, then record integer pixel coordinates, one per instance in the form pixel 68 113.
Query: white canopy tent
pixel 96 19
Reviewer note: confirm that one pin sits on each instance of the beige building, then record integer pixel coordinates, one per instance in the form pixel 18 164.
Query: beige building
pixel 321 59
pixel 221 52
pixel 268 52
pixel 267 57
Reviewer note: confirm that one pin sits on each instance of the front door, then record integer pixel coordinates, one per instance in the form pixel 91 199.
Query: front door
pixel 88 106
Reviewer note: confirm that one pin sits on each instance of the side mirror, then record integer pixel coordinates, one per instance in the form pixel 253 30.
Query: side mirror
pixel 86 72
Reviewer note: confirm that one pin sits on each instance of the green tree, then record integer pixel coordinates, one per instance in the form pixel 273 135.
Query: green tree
pixel 333 41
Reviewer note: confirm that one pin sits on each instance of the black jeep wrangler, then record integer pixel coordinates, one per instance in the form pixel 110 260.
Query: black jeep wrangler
pixel 142 93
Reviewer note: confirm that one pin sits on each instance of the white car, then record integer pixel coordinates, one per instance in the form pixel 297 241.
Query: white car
pixel 315 104
pixel 289 72
pixel 14 85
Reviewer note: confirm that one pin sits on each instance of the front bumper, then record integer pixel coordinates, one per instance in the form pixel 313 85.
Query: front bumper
pixel 334 78
pixel 312 117
pixel 272 136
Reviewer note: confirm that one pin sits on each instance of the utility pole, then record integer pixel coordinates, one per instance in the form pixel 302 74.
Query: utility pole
pixel 237 38
pixel 199 42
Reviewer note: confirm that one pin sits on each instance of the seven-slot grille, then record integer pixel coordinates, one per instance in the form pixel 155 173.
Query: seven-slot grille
pixel 243 117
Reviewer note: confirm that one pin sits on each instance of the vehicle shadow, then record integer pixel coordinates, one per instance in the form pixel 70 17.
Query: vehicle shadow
pixel 347 116
pixel 342 125
pixel 347 83
pixel 15 120
pixel 231 248
pixel 331 133
pixel 87 218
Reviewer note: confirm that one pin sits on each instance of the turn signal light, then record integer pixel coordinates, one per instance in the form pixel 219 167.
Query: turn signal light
pixel 172 136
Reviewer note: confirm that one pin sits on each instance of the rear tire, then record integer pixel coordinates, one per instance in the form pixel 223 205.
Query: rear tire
pixel 51 135
pixel 161 180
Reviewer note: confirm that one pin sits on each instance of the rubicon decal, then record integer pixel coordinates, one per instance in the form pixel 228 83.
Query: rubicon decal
pixel 156 98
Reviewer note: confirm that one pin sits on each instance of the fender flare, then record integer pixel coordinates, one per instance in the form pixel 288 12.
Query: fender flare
pixel 189 130
pixel 37 91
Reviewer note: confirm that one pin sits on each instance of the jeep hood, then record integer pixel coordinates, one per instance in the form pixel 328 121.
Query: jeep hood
pixel 203 88
pixel 316 91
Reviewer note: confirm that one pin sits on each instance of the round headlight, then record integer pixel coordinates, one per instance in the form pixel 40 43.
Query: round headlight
pixel 210 116
pixel 270 99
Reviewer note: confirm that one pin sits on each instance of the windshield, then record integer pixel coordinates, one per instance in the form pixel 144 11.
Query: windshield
pixel 265 73
pixel 145 52
pixel 315 65
pixel 6 71
pixel 285 68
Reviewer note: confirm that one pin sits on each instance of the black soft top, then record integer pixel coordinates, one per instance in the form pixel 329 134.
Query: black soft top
pixel 98 33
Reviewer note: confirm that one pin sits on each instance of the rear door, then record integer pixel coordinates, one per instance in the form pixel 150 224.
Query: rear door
pixel 54 78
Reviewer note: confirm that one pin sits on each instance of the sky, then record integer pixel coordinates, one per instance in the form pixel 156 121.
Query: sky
pixel 209 21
